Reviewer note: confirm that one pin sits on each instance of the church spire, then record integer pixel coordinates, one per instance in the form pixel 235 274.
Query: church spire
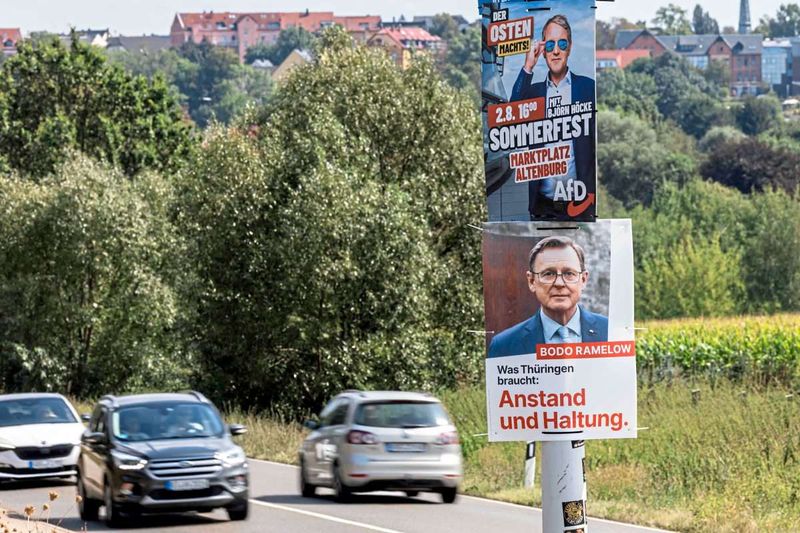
pixel 744 17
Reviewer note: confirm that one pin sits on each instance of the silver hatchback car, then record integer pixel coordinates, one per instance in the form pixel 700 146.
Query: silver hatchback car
pixel 367 441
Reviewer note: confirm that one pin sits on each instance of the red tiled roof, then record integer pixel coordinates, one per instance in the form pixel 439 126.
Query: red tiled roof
pixel 10 34
pixel 404 34
pixel 311 21
pixel 622 57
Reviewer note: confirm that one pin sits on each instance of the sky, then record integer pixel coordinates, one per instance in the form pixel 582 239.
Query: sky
pixel 137 17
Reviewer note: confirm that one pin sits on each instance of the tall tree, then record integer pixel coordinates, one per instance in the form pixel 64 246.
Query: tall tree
pixel 53 99
pixel 786 22
pixel 702 22
pixel 328 228
pixel 444 26
pixel 215 85
pixel 88 271
pixel 672 20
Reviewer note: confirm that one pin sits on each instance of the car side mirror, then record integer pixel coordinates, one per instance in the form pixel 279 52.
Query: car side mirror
pixel 94 437
pixel 85 418
pixel 237 429
pixel 311 424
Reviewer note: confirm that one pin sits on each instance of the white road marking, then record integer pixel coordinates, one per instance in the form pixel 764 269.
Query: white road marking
pixel 324 517
pixel 498 502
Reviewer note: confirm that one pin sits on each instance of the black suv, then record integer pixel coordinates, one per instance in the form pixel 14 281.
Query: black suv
pixel 155 453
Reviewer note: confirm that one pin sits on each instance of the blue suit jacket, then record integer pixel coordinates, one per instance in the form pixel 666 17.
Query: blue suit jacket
pixel 584 146
pixel 523 338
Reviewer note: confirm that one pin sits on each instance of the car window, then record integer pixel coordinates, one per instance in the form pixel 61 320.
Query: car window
pixel 28 411
pixel 166 420
pixel 339 415
pixel 102 422
pixel 334 413
pixel 401 414
pixel 95 418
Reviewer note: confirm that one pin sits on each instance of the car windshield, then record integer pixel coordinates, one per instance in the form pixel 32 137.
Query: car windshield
pixel 166 420
pixel 29 411
pixel 401 414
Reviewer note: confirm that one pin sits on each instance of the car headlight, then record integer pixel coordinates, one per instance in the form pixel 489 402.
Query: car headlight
pixel 126 461
pixel 232 457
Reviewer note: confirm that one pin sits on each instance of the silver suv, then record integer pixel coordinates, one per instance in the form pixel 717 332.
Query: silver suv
pixel 367 441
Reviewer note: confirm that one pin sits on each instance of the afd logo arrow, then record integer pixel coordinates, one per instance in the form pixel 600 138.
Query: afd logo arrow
pixel 575 210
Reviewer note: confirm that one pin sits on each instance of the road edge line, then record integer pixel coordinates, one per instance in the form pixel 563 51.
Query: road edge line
pixel 323 516
pixel 500 502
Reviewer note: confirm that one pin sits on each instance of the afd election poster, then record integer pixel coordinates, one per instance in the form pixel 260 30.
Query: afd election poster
pixel 560 359
pixel 539 108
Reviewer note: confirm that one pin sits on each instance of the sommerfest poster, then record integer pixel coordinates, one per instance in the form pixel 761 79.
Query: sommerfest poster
pixel 539 108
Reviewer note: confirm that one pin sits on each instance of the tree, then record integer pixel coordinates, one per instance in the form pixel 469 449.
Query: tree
pixel 672 20
pixel 694 277
pixel 752 165
pixel 327 229
pixel 718 73
pixel 606 32
pixel 288 40
pixel 758 114
pixel 53 99
pixel 444 26
pixel 786 22
pixel 462 66
pixel 633 161
pixel 88 270
pixel 702 22
pixel 629 92
pixel 215 85
pixel 771 264
pixel 719 136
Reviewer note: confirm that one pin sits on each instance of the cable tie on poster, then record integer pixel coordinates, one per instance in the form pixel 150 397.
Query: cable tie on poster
pixel 473 226
pixel 480 435
pixel 645 428
pixel 480 332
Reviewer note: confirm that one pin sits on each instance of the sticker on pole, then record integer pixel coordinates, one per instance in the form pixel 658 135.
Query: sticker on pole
pixel 561 355
pixel 539 107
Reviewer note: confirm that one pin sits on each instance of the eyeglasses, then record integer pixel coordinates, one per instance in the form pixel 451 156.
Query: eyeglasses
pixel 549 46
pixel 548 277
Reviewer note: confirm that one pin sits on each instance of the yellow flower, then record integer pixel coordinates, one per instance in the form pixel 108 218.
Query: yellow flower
pixel 29 510
pixel 45 507
pixel 53 496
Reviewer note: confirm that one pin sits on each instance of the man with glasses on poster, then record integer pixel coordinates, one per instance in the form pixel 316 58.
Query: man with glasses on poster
pixel 562 87
pixel 557 276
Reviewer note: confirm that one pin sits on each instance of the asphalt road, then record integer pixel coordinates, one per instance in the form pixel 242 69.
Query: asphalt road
pixel 277 506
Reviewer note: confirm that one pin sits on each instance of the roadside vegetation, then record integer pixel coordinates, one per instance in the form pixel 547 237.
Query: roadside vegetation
pixel 719 447
pixel 319 239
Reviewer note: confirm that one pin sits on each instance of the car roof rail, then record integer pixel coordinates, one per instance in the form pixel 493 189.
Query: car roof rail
pixel 110 398
pixel 198 395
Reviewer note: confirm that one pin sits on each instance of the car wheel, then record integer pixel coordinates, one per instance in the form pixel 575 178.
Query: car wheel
pixel 449 494
pixel 87 508
pixel 113 517
pixel 412 493
pixel 343 492
pixel 306 489
pixel 238 512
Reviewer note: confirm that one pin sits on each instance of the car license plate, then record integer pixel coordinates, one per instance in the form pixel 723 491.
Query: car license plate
pixel 187 484
pixel 43 464
pixel 405 447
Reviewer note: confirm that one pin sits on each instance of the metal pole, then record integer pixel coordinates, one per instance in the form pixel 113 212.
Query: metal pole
pixel 530 464
pixel 563 487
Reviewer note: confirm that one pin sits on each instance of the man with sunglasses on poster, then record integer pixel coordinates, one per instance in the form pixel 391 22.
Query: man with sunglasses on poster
pixel 557 276
pixel 562 87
